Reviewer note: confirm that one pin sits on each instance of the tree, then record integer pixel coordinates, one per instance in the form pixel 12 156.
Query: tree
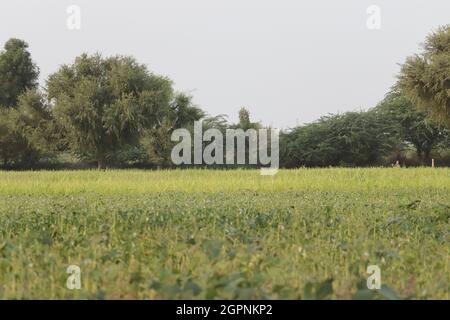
pixel 105 104
pixel 349 139
pixel 157 142
pixel 17 72
pixel 246 125
pixel 244 118
pixel 425 77
pixel 410 126
pixel 26 131
pixel 14 148
pixel 244 121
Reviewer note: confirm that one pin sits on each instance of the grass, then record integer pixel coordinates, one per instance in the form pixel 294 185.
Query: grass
pixel 302 234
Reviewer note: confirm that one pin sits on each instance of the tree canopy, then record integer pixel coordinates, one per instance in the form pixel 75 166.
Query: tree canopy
pixel 349 139
pixel 114 111
pixel 17 72
pixel 103 104
pixel 409 126
pixel 425 77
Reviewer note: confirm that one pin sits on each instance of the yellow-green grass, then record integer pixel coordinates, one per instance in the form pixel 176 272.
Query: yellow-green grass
pixel 140 181
pixel 307 233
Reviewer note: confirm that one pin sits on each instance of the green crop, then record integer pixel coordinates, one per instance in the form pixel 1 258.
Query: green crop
pixel 185 234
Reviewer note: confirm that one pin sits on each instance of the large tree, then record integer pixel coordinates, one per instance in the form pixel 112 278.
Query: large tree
pixel 409 126
pixel 26 132
pixel 104 104
pixel 18 75
pixel 17 72
pixel 425 77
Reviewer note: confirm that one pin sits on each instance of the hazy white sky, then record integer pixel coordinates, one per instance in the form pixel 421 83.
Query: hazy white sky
pixel 288 61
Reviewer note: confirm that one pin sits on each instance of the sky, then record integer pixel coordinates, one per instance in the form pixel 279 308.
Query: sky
pixel 288 61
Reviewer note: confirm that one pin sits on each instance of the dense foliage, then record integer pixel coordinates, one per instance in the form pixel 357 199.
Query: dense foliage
pixel 184 234
pixel 115 112
pixel 350 139
pixel 17 72
pixel 425 78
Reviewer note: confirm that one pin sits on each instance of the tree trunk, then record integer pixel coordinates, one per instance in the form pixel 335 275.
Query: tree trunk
pixel 100 164
pixel 419 155
pixel 427 157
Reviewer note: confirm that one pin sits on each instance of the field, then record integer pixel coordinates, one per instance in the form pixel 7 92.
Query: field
pixel 302 234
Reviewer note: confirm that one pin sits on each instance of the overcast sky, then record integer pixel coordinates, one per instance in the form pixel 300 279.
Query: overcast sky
pixel 288 61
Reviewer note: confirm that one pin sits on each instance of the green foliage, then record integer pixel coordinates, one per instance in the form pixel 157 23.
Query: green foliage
pixel 27 132
pixel 17 72
pixel 113 110
pixel 244 121
pixel 349 139
pixel 213 234
pixel 410 126
pixel 425 78
pixel 104 105
pixel 34 120
pixel 156 142
pixel 244 124
pixel 15 150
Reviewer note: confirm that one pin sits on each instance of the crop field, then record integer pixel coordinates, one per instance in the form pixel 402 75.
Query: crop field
pixel 207 234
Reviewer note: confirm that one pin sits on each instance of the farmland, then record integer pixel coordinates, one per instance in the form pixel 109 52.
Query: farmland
pixel 301 234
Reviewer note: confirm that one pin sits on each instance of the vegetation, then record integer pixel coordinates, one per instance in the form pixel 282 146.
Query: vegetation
pixel 425 78
pixel 18 73
pixel 104 105
pixel 350 139
pixel 306 233
pixel 408 126
pixel 204 233
pixel 115 112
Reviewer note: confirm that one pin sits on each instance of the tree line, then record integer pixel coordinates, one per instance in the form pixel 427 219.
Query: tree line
pixel 113 111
